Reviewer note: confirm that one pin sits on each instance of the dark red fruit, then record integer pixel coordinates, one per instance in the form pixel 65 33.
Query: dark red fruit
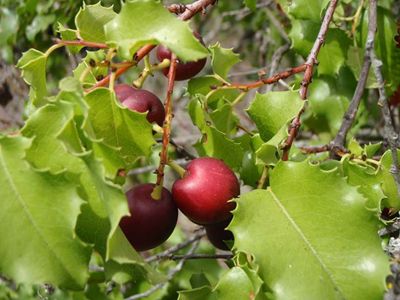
pixel 151 221
pixel 141 101
pixel 217 234
pixel 204 191
pixel 183 70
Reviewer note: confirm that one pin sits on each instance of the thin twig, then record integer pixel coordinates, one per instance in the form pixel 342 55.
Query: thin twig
pixel 308 74
pixel 390 133
pixel 170 276
pixel 191 10
pixel 201 256
pixel 275 60
pixel 170 251
pixel 274 78
pixel 82 43
pixel 351 112
pixel 167 122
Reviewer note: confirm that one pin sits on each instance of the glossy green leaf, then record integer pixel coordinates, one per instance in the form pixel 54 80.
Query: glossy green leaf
pixel 90 22
pixel 143 22
pixel 41 246
pixel 234 284
pixel 126 131
pixel 308 10
pixel 222 59
pixel 54 135
pixel 272 111
pixel 33 66
pixel 311 236
pixel 214 143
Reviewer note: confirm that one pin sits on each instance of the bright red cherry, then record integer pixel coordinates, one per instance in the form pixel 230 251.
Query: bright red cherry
pixel 141 101
pixel 204 191
pixel 151 221
pixel 217 234
pixel 183 70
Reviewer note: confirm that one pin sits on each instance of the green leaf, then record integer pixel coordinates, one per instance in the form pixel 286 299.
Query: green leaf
pixel 250 4
pixel 368 182
pixel 69 35
pixel 333 53
pixel 308 10
pixel 389 186
pixel 355 60
pixel 222 60
pixel 126 131
pixel 33 66
pixel 39 23
pixel 204 85
pixel 234 284
pixel 214 143
pixel 326 109
pixel 90 22
pixel 8 25
pixel 41 246
pixel 311 236
pixel 143 22
pixel 272 111
pixel 54 135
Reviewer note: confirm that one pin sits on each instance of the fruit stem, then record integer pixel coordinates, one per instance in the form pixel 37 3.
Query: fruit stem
pixel 177 168
pixel 157 192
pixel 148 70
pixel 263 178
pixel 112 80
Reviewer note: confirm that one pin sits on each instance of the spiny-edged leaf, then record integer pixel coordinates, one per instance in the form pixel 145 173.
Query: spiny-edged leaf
pixel 90 22
pixel 143 22
pixel 311 235
pixel 333 54
pixel 69 35
pixel 222 59
pixel 367 180
pixel 214 143
pixel 123 260
pixel 206 84
pixel 54 135
pixel 388 183
pixel 33 66
pixel 326 110
pixel 41 246
pixel 269 152
pixel 234 284
pixel 128 132
pixel 308 10
pixel 355 60
pixel 224 118
pixel 272 111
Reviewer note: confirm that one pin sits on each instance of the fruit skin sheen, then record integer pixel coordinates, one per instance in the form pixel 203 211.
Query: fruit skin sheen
pixel 141 101
pixel 151 221
pixel 204 191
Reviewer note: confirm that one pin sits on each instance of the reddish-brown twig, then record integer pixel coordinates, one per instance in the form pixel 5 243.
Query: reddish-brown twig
pixel 191 10
pixel 308 73
pixel 274 78
pixel 166 127
pixel 82 43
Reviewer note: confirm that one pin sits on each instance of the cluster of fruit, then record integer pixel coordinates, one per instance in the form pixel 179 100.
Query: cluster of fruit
pixel 202 194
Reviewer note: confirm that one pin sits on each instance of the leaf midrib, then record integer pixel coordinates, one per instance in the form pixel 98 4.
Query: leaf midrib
pixel 29 216
pixel 306 242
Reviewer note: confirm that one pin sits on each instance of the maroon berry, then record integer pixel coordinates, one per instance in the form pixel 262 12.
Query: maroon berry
pixel 204 191
pixel 217 234
pixel 141 101
pixel 183 70
pixel 151 221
